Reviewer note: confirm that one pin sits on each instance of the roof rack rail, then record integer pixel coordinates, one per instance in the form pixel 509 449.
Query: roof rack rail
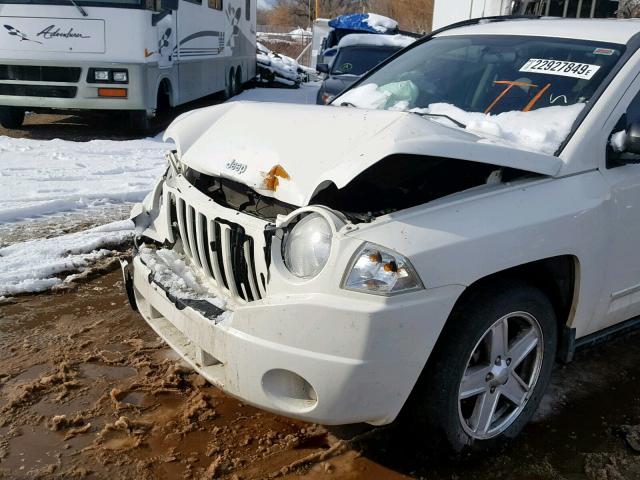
pixel 476 21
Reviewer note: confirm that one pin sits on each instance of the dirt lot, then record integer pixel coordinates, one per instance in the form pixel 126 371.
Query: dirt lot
pixel 87 389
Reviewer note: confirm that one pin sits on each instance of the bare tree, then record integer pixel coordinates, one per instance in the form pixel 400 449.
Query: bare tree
pixel 629 9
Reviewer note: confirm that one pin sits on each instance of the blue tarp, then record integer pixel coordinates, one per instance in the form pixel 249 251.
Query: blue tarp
pixel 356 21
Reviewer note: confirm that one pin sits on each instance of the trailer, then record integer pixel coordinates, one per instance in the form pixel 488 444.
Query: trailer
pixel 447 12
pixel 134 56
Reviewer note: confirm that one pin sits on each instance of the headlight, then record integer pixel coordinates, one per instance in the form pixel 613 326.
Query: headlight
pixel 307 246
pixel 102 75
pixel 120 76
pixel 379 271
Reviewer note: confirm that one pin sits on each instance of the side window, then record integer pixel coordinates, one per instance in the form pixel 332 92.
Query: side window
pixel 215 4
pixel 247 10
pixel 624 141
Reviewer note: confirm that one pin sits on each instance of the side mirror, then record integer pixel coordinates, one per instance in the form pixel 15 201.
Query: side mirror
pixel 632 144
pixel 322 68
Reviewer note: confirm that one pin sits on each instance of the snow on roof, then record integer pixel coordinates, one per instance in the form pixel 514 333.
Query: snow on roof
pixel 601 30
pixel 367 22
pixel 354 39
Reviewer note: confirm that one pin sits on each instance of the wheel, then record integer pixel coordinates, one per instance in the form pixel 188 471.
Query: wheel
pixel 490 369
pixel 139 122
pixel 231 88
pixel 238 83
pixel 11 117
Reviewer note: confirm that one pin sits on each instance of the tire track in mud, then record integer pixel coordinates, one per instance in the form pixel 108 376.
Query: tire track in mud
pixel 88 390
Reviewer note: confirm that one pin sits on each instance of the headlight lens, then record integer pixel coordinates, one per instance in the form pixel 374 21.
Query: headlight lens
pixel 380 271
pixel 307 246
pixel 102 75
pixel 120 76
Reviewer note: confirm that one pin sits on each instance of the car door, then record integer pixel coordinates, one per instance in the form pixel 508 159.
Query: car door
pixel 622 173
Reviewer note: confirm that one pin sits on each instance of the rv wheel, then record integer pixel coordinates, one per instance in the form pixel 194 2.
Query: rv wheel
pixel 139 122
pixel 238 83
pixel 231 84
pixel 11 117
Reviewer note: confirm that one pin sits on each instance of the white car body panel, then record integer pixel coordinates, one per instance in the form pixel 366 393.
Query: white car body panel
pixel 371 136
pixel 363 353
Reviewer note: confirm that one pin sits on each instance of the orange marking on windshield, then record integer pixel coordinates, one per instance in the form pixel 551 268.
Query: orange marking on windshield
pixel 535 99
pixel 509 85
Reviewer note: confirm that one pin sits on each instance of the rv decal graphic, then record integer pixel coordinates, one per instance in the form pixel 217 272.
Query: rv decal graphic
pixel 233 15
pixel 17 33
pixel 164 40
pixel 52 32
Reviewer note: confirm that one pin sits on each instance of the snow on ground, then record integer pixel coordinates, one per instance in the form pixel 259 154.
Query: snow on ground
pixel 41 181
pixel 45 177
pixel 35 265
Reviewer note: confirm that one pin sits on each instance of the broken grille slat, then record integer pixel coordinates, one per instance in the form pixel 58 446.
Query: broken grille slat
pixel 202 244
pixel 191 214
pixel 248 256
pixel 168 209
pixel 213 252
pixel 181 207
pixel 225 248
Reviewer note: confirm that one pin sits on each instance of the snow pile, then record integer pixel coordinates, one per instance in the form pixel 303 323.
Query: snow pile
pixel 301 32
pixel 399 41
pixel 34 266
pixel 45 177
pixel 542 130
pixel 275 68
pixel 381 23
pixel 172 272
pixel 619 141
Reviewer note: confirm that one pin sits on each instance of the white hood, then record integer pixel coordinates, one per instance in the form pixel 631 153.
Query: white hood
pixel 314 145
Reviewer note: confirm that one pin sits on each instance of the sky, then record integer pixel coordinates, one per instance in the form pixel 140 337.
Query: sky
pixel 263 4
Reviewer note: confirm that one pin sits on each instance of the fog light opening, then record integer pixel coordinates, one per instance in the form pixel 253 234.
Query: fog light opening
pixel 289 391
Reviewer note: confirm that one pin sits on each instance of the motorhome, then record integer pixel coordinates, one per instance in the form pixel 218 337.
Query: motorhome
pixel 447 12
pixel 134 56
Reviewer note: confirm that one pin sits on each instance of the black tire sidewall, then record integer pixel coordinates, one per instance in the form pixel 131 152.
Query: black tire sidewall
pixel 11 117
pixel 438 387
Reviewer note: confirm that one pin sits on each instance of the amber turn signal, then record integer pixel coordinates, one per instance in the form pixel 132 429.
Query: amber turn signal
pixel 112 92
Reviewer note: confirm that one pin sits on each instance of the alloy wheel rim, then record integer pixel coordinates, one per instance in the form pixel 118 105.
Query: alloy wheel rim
pixel 500 375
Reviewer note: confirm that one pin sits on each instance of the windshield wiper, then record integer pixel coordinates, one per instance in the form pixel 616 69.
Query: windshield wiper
pixel 82 11
pixel 459 124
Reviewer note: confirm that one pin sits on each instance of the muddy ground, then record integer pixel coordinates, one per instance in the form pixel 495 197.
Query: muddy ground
pixel 88 390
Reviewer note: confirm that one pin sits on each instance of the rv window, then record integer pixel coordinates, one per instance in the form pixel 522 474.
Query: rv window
pixel 215 4
pixel 247 10
pixel 197 2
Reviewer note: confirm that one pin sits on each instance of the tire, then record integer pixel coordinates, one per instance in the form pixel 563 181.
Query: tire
pixel 451 408
pixel 11 117
pixel 139 122
pixel 230 90
pixel 238 83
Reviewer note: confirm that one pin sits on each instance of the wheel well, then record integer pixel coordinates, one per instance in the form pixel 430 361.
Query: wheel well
pixel 557 277
pixel 165 95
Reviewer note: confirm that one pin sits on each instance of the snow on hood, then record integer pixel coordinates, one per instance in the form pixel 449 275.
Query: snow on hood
pixel 308 146
pixel 357 39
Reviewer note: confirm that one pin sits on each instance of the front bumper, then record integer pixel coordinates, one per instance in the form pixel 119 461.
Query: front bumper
pixel 86 94
pixel 304 366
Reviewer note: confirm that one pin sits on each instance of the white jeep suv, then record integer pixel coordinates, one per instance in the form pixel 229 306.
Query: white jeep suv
pixel 474 218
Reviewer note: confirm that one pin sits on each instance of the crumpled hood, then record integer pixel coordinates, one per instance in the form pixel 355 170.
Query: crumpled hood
pixel 289 151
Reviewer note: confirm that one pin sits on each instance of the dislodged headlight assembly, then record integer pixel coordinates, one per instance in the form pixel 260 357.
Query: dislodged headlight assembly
pixel 380 271
pixel 307 246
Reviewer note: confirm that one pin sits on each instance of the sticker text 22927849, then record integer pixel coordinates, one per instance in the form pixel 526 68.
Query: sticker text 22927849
pixel 561 68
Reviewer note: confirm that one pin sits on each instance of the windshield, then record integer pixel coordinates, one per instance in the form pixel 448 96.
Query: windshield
pixel 89 3
pixel 359 60
pixel 474 79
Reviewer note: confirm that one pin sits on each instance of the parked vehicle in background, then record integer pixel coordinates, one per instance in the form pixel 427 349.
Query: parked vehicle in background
pixel 340 27
pixel 356 55
pixel 474 218
pixel 447 12
pixel 121 55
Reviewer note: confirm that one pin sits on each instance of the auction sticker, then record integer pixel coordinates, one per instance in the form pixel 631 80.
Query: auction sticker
pixel 561 68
